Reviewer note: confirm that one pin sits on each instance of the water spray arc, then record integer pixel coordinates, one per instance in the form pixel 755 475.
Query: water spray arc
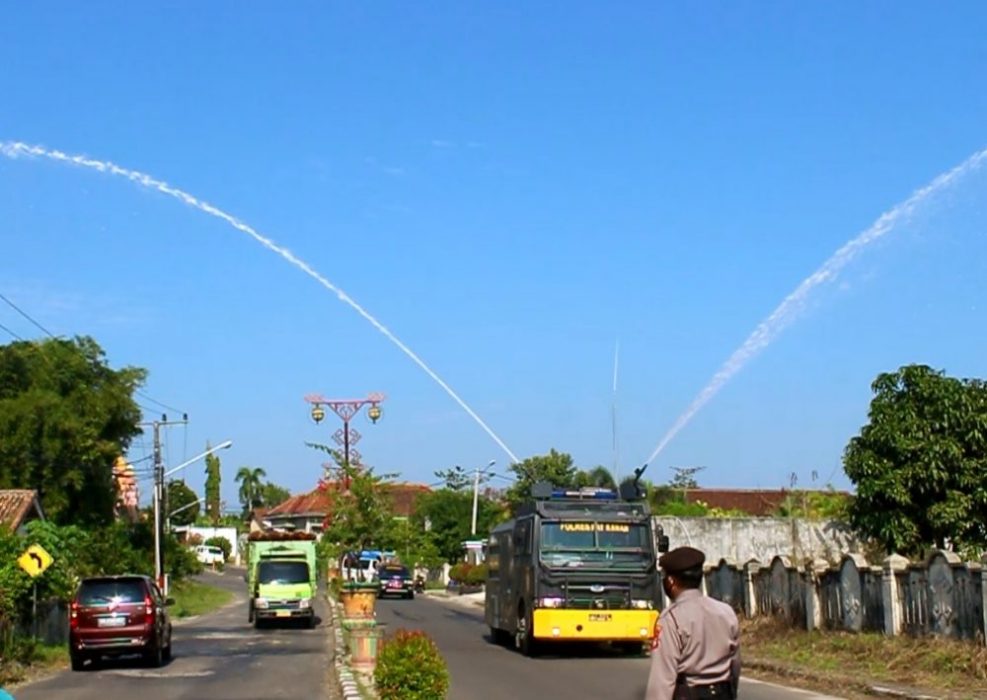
pixel 15 149
pixel 794 304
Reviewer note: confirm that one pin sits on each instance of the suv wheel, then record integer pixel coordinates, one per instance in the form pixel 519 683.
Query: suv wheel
pixel 155 657
pixel 78 662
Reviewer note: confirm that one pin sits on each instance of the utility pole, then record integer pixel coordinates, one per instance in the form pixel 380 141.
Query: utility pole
pixel 476 492
pixel 159 496
pixel 346 437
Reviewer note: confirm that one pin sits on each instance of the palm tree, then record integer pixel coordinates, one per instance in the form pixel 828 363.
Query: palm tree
pixel 251 482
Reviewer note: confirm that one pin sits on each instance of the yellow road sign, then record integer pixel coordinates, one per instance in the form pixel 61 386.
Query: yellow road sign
pixel 35 561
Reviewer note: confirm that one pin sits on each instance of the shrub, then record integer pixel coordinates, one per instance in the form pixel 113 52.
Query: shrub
pixel 409 667
pixel 222 543
pixel 477 575
pixel 459 572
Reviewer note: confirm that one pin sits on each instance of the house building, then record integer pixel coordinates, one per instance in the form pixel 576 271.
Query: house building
pixel 308 511
pixel 18 507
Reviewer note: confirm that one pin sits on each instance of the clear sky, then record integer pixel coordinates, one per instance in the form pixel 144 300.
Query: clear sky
pixel 510 188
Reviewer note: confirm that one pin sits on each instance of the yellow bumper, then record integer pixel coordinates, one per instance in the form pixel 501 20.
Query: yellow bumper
pixel 594 625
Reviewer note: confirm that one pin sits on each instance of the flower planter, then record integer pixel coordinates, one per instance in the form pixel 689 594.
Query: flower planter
pixel 359 601
pixel 364 638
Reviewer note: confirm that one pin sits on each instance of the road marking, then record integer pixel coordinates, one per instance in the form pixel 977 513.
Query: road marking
pixel 222 635
pixel 161 674
pixel 809 694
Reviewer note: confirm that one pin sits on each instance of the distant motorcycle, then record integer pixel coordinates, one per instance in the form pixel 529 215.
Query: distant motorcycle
pixel 419 584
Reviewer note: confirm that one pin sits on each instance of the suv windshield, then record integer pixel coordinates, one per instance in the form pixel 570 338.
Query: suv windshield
pixel 572 543
pixel 282 572
pixel 101 592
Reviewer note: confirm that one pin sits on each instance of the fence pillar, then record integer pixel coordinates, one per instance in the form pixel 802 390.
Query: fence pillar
pixel 983 593
pixel 750 589
pixel 894 611
pixel 814 568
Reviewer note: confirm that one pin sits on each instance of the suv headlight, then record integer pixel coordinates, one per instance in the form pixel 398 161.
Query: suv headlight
pixel 305 603
pixel 642 604
pixel 260 603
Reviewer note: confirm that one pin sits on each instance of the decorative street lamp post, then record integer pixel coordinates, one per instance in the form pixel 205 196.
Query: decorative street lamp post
pixel 346 409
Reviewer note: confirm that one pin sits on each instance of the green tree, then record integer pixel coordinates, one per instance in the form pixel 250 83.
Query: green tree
pixel 598 476
pixel 920 463
pixel 272 494
pixel 455 478
pixel 183 502
pixel 445 516
pixel 214 478
pixel 555 467
pixel 251 480
pixel 65 416
pixel 361 511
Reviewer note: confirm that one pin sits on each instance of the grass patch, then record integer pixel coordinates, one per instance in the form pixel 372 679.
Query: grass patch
pixel 932 663
pixel 194 598
pixel 32 659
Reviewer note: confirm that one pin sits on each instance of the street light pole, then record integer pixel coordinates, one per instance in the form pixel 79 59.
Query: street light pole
pixel 159 479
pixel 346 409
pixel 476 492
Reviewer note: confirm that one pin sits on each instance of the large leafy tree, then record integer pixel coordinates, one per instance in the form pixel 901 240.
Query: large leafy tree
pixel 361 512
pixel 555 467
pixel 920 463
pixel 183 502
pixel 446 516
pixel 214 477
pixel 65 416
pixel 271 494
pixel 598 476
pixel 251 480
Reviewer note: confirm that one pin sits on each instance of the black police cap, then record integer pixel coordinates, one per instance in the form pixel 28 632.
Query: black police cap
pixel 681 559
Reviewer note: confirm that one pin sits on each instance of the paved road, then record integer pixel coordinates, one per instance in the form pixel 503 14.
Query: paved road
pixel 217 657
pixel 481 670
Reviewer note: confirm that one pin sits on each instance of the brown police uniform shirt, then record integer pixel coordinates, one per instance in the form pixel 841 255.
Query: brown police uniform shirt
pixel 699 639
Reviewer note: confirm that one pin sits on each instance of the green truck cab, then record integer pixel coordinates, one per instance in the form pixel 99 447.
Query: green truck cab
pixel 281 577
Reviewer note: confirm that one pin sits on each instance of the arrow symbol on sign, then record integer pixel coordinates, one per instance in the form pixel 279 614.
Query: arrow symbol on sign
pixel 37 559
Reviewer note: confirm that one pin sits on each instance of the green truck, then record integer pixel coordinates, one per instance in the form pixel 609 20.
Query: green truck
pixel 281 577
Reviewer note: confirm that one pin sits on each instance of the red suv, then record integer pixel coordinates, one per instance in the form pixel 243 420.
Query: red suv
pixel 119 616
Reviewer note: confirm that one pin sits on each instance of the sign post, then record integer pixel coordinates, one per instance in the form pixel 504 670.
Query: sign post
pixel 35 561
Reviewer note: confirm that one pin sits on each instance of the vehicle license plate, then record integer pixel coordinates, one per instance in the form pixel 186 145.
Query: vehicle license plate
pixel 395 584
pixel 111 622
pixel 283 613
pixel 600 618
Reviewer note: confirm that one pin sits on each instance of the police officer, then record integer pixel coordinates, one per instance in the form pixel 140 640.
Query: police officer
pixel 696 649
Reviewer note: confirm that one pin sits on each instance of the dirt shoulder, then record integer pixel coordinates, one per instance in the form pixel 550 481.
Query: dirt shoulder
pixel 866 664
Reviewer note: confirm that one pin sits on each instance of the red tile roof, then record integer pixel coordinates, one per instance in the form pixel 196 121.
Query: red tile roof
pixel 16 505
pixel 317 502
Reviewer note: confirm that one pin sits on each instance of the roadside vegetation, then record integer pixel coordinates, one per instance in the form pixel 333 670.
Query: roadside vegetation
pixel 843 661
pixel 194 598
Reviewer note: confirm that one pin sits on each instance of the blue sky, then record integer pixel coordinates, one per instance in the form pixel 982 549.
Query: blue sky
pixel 510 189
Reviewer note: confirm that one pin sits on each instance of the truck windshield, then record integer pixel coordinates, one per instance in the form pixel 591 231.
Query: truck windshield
pixel 573 544
pixel 282 572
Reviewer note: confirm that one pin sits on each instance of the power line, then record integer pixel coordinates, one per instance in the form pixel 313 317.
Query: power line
pixel 4 328
pixel 51 335
pixel 158 403
pixel 27 316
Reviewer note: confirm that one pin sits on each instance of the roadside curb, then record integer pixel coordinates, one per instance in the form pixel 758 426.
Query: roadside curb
pixel 863 686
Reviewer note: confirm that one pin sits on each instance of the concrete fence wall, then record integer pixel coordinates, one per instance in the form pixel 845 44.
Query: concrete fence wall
pixel 761 539
pixel 941 596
